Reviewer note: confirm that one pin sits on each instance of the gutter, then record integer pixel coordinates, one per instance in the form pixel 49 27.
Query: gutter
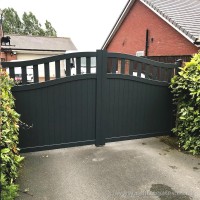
pixel 197 42
pixel 18 49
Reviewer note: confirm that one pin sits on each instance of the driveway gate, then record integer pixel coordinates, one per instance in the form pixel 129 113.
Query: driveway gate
pixel 103 97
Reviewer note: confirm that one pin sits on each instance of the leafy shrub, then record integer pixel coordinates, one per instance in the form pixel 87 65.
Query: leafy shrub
pixel 9 125
pixel 186 90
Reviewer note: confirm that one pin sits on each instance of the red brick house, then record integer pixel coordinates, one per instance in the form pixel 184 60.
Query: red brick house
pixel 157 29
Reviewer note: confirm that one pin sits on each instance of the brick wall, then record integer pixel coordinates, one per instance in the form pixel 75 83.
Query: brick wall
pixel 7 56
pixel 131 36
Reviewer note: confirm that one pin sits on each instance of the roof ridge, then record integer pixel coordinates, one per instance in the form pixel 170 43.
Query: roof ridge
pixel 35 36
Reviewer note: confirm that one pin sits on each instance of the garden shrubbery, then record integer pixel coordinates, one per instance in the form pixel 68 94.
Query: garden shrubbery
pixel 9 126
pixel 186 90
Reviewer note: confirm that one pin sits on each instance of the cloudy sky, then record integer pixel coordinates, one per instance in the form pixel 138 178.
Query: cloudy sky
pixel 86 22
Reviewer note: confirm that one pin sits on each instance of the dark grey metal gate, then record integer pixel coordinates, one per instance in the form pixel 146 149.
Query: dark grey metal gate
pixel 128 97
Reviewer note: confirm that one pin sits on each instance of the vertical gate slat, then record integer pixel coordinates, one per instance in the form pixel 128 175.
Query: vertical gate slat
pixel 68 68
pixel 176 70
pixel 88 65
pixel 78 65
pixel 12 72
pixel 24 75
pixel 164 74
pixel 147 71
pixel 35 73
pixel 154 72
pixel 114 65
pixel 169 75
pixel 57 68
pixel 139 69
pixel 46 71
pixel 131 68
pixel 161 74
pixel 122 66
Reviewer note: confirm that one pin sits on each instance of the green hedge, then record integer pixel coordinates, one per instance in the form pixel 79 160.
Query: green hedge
pixel 9 123
pixel 186 90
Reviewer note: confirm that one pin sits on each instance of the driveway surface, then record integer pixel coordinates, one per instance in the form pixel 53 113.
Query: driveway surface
pixel 138 169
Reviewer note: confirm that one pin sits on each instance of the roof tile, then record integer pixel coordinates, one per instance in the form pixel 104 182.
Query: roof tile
pixel 41 43
pixel 184 14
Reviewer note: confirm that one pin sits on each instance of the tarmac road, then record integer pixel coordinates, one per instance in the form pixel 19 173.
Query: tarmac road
pixel 142 169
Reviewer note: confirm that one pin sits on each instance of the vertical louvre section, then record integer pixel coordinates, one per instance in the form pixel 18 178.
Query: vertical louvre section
pixel 169 75
pixel 46 71
pixel 139 69
pixel 123 66
pixel 176 71
pixel 78 66
pixel 68 68
pixel 88 65
pixel 114 65
pixel 131 68
pixel 154 73
pixel 57 68
pixel 35 73
pixel 147 71
pixel 12 72
pixel 24 75
pixel 161 75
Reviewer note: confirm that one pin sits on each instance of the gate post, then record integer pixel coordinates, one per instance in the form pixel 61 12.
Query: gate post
pixel 101 70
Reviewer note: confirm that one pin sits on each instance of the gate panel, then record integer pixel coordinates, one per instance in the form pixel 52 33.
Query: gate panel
pixel 136 108
pixel 62 114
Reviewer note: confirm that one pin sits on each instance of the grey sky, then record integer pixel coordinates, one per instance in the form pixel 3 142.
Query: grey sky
pixel 87 22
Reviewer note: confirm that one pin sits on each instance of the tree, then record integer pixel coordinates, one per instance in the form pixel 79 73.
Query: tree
pixel 50 31
pixel 29 25
pixel 11 21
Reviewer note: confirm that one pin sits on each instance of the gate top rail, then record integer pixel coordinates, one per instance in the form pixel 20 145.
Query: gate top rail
pixel 47 59
pixel 48 68
pixel 76 63
pixel 143 60
pixel 141 67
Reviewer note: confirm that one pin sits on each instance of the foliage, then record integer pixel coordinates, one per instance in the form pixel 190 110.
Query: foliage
pixel 29 25
pixel 9 123
pixel 186 90
pixel 49 29
pixel 11 21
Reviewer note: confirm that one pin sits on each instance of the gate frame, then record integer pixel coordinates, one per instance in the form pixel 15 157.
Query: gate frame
pixel 102 57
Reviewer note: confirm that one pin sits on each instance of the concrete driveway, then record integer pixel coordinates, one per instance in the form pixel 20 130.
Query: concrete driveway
pixel 138 169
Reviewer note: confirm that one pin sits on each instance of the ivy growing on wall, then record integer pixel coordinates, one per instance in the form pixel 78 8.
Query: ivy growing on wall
pixel 186 91
pixel 9 126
